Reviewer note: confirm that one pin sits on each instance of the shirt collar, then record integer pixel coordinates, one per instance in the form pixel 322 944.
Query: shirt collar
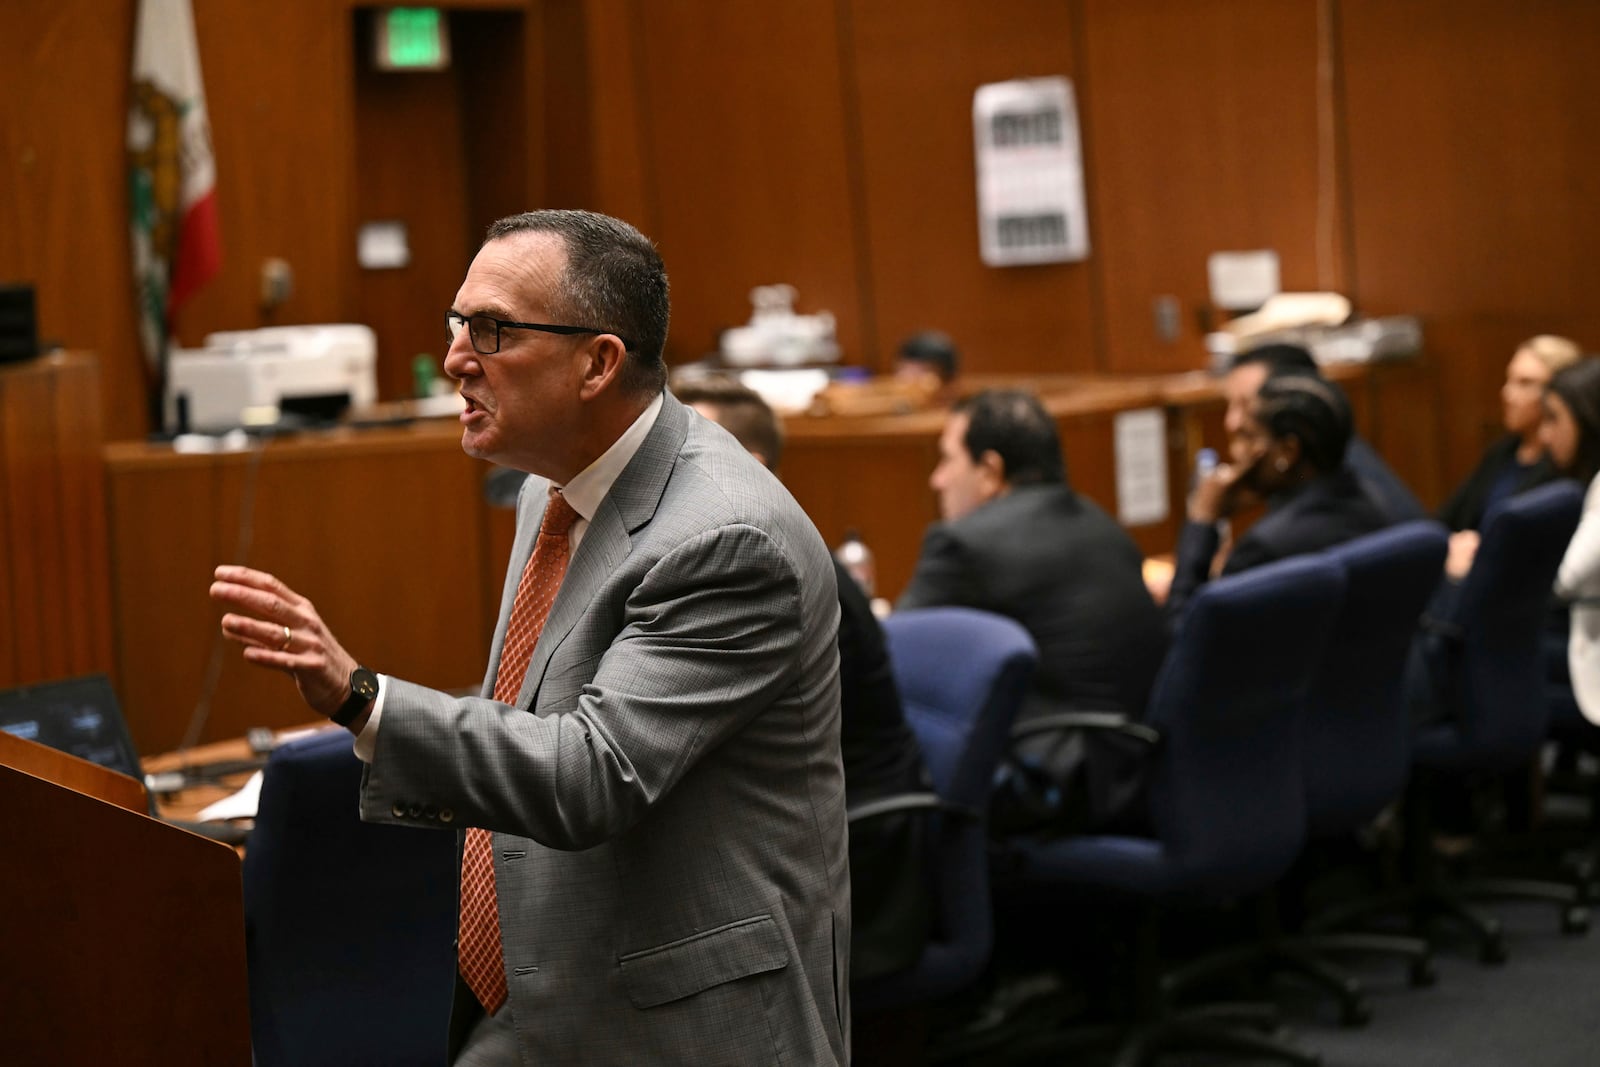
pixel 590 485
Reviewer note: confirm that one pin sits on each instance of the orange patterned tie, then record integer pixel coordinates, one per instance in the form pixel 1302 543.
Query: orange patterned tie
pixel 481 959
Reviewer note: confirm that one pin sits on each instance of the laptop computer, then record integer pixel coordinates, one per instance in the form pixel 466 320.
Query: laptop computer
pixel 82 717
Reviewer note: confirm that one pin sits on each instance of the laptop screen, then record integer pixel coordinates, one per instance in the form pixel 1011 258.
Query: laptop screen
pixel 79 716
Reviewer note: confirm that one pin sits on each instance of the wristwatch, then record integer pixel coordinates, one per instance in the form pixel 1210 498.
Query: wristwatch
pixel 363 691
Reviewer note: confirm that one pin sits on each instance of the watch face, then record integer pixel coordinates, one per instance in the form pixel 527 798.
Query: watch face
pixel 364 683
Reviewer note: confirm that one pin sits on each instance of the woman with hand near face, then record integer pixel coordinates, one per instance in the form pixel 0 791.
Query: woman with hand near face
pixel 1289 453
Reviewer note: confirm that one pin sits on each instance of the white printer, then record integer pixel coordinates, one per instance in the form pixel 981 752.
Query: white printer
pixel 307 369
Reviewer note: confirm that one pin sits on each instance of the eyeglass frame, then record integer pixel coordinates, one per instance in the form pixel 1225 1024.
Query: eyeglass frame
pixel 451 316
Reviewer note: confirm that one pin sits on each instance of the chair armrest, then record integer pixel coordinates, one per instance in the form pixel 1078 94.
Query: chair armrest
pixel 904 802
pixel 1068 721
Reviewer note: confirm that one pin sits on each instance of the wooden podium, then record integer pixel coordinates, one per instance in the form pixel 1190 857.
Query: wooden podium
pixel 121 938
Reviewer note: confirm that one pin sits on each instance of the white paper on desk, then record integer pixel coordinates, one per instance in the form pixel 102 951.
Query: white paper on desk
pixel 1030 173
pixel 1141 449
pixel 240 805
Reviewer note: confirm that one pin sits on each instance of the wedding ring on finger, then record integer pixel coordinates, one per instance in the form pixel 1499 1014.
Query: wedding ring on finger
pixel 288 636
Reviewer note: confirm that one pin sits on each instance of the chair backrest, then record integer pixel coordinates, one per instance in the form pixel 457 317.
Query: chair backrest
pixel 349 925
pixel 1358 725
pixel 962 675
pixel 1495 683
pixel 960 671
pixel 1227 796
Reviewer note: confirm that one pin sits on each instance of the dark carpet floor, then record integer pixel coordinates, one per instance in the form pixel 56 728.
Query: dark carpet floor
pixel 1541 1008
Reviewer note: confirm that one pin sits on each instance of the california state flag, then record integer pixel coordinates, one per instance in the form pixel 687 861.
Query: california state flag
pixel 171 174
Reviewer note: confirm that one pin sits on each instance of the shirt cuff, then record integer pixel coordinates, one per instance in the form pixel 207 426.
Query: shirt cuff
pixel 366 745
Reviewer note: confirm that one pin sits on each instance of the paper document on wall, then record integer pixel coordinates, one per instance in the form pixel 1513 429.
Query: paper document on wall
pixel 1242 281
pixel 1030 173
pixel 1141 450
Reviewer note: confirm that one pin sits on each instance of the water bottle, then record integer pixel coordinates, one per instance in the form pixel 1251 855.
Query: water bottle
pixel 856 558
pixel 1205 462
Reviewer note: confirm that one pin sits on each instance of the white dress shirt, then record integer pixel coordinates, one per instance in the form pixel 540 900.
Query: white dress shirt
pixel 584 493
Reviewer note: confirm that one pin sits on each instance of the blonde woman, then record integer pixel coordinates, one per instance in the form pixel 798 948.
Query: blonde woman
pixel 1517 461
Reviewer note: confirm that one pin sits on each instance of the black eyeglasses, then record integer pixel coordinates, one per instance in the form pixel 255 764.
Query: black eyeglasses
pixel 484 330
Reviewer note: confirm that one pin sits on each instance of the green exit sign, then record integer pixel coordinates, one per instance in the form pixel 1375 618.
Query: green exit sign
pixel 413 38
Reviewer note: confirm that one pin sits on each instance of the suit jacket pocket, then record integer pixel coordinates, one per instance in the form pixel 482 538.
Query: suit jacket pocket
pixel 693 964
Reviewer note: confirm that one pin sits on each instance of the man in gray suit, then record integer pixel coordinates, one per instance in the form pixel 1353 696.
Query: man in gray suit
pixel 665 791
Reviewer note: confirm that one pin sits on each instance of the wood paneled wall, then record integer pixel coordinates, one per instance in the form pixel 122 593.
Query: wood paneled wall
pixel 1474 175
pixel 55 600
pixel 1424 157
pixel 913 68
pixel 1205 125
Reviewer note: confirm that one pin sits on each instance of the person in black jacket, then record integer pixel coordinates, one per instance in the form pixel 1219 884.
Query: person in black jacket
pixel 1293 442
pixel 891 906
pixel 1516 462
pixel 1250 370
pixel 1018 541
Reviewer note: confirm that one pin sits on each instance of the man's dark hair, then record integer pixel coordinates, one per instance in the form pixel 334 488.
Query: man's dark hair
pixel 740 411
pixel 935 349
pixel 614 281
pixel 1279 359
pixel 1013 424
pixel 1578 385
pixel 1313 410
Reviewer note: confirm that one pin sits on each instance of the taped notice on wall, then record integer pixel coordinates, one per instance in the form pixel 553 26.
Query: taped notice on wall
pixel 1141 452
pixel 1030 173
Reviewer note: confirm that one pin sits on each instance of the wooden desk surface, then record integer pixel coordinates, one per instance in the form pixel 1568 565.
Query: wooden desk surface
pixel 187 803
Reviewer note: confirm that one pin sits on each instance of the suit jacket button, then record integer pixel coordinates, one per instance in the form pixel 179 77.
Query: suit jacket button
pixel 430 812
pixel 399 810
pixel 446 815
pixel 414 811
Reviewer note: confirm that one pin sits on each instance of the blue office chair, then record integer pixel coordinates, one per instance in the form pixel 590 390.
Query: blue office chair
pixel 1358 728
pixel 1227 798
pixel 1486 672
pixel 961 675
pixel 350 926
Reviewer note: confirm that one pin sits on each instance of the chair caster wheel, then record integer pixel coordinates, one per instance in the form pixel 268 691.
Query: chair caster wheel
pixel 1493 950
pixel 1355 1013
pixel 1575 920
pixel 1422 974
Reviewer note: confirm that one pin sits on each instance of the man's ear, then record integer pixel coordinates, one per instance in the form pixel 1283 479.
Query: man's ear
pixel 992 472
pixel 1284 453
pixel 603 357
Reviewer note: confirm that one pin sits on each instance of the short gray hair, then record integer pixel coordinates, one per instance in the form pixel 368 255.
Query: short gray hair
pixel 614 281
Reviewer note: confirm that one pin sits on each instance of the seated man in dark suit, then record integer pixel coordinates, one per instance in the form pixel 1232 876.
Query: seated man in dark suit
pixel 891 907
pixel 1018 541
pixel 1246 374
pixel 1293 440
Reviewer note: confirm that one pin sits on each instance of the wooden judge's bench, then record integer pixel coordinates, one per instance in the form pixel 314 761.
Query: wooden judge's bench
pixel 387 530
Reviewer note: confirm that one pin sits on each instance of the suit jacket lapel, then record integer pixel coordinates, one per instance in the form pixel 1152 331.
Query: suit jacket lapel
pixel 530 513
pixel 630 504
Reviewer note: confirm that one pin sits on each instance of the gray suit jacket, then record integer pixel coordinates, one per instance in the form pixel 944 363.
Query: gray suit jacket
pixel 669 825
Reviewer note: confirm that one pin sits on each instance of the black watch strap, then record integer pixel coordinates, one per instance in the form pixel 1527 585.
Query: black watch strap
pixel 363 691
